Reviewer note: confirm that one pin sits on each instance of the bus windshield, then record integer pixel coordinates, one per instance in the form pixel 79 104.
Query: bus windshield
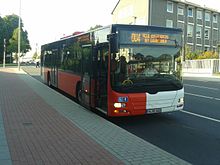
pixel 151 69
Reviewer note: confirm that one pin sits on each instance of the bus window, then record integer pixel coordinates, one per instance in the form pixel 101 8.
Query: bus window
pixel 87 52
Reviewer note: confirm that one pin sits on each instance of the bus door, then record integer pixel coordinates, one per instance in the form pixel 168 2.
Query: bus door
pixel 101 76
pixel 54 68
pixel 86 75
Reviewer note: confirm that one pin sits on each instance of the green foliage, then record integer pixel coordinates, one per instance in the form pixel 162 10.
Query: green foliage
pixel 9 31
pixel 190 55
pixel 13 42
pixel 208 55
pixel 2 36
pixel 11 22
pixel 35 56
pixel 201 55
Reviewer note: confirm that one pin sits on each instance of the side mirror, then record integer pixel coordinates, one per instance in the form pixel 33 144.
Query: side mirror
pixel 113 40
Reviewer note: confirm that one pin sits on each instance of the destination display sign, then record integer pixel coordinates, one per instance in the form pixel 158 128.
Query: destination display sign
pixel 155 38
pixel 148 38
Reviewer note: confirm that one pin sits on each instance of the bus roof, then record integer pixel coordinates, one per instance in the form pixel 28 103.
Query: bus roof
pixel 115 27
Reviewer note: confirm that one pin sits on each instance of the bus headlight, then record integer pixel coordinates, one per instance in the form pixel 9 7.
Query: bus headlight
pixel 119 105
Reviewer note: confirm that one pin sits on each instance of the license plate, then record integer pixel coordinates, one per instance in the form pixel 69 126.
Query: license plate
pixel 156 110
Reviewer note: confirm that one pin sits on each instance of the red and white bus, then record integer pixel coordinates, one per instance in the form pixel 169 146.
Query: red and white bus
pixel 120 70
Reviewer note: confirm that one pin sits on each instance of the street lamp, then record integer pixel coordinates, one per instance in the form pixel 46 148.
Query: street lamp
pixel 19 35
pixel 4 53
pixel 218 50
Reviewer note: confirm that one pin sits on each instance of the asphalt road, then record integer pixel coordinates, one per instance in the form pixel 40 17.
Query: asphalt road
pixel 192 134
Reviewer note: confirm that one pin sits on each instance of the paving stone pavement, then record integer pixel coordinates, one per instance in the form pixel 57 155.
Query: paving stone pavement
pixel 38 134
pixel 44 127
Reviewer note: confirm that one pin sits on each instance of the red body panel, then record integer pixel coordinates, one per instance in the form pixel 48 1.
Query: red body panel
pixel 136 104
pixel 67 82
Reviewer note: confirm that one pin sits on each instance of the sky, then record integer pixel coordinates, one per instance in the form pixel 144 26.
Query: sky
pixel 48 20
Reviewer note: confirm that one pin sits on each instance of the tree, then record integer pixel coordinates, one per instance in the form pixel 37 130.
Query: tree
pixel 2 37
pixel 13 42
pixel 9 31
pixel 35 56
pixel 11 22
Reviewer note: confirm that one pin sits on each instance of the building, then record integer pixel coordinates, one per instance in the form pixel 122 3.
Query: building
pixel 200 24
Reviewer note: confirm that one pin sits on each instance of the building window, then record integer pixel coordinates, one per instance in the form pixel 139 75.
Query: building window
pixel 207 16
pixel 190 12
pixel 169 7
pixel 207 33
pixel 180 25
pixel 215 35
pixel 180 11
pixel 190 30
pixel 215 19
pixel 199 14
pixel 198 48
pixel 198 32
pixel 169 23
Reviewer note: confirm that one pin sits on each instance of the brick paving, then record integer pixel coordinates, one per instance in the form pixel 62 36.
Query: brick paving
pixel 44 127
pixel 38 134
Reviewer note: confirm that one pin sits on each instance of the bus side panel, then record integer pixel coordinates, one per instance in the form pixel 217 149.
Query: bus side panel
pixel 135 104
pixel 67 82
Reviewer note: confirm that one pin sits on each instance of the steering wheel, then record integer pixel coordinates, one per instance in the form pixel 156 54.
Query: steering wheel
pixel 127 82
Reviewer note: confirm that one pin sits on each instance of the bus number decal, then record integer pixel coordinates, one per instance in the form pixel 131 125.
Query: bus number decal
pixel 122 99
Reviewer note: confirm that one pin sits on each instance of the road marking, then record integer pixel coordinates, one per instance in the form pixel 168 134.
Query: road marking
pixel 201 116
pixel 201 87
pixel 202 96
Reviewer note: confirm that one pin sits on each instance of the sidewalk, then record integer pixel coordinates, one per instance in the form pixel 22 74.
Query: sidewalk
pixel 40 126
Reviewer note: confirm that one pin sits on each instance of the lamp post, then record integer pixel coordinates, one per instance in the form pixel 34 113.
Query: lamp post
pixel 19 35
pixel 4 53
pixel 218 50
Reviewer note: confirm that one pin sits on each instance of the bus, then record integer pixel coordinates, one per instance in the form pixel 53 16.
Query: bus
pixel 120 70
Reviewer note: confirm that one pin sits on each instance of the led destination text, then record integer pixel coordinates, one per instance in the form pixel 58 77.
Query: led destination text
pixel 148 38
